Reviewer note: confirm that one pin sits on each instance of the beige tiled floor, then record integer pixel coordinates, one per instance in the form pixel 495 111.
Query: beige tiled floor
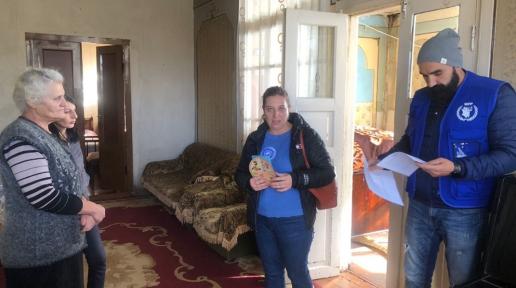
pixel 369 257
pixel 368 266
pixel 346 279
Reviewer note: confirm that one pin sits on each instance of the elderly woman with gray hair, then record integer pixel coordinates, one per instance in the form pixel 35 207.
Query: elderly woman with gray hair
pixel 41 243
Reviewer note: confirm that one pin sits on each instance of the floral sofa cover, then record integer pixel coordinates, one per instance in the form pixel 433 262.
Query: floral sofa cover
pixel 199 187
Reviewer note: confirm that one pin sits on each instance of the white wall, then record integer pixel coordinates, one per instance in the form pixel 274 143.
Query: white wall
pixel 162 61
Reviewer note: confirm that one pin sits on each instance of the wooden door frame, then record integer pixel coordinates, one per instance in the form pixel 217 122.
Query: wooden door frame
pixel 128 139
pixel 34 56
pixel 111 92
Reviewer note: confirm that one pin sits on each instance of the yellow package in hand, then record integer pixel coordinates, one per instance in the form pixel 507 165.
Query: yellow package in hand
pixel 260 166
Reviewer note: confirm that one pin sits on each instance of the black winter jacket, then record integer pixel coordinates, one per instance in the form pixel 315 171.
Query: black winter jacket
pixel 320 173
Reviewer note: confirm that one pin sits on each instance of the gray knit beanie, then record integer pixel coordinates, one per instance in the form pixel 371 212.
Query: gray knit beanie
pixel 442 48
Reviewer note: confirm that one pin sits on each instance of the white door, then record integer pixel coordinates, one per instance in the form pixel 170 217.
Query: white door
pixel 315 51
pixel 421 19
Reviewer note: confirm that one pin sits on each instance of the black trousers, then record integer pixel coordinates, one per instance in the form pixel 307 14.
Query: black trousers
pixel 66 273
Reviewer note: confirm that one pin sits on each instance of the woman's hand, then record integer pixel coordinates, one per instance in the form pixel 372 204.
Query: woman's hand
pixel 87 223
pixel 94 210
pixel 259 183
pixel 282 182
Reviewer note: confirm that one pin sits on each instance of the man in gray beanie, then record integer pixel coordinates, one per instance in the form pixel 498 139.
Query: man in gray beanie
pixel 442 48
pixel 464 126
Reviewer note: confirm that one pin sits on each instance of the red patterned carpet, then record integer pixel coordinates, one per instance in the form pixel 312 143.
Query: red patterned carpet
pixel 147 247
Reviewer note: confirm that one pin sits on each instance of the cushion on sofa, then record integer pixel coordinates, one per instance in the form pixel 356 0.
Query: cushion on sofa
pixel 224 166
pixel 185 203
pixel 199 156
pixel 216 180
pixel 216 198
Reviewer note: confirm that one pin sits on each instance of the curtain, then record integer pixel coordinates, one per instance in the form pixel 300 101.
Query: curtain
pixel 260 52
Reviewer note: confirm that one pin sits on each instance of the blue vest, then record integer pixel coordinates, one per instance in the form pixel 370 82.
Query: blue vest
pixel 463 133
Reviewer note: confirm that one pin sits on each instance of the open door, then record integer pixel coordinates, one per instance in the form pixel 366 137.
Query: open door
pixel 113 166
pixel 315 51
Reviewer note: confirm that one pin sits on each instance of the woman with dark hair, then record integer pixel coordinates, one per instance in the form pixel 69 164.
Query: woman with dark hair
pixel 95 254
pixel 41 242
pixel 281 210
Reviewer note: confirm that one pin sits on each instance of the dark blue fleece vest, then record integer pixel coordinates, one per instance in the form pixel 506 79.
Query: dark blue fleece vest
pixel 463 133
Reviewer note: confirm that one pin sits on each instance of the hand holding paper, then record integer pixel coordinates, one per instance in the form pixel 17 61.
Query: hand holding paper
pixel 438 167
pixel 382 183
pixel 400 162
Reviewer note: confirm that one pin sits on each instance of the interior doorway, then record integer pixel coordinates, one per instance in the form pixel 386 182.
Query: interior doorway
pixel 96 73
pixel 376 47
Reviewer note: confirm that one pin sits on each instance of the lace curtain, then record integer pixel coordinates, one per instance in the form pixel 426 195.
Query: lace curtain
pixel 261 52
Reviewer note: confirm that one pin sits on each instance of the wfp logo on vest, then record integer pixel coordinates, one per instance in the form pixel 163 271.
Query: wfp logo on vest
pixel 467 112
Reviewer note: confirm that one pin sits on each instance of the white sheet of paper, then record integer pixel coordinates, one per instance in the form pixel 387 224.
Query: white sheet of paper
pixel 383 184
pixel 400 162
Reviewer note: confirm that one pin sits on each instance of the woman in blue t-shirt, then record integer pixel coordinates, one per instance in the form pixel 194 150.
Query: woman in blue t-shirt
pixel 282 210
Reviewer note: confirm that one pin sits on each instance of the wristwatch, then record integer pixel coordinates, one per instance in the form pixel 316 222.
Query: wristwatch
pixel 457 169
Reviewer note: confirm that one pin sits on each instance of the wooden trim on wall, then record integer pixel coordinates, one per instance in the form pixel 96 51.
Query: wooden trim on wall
pixel 70 38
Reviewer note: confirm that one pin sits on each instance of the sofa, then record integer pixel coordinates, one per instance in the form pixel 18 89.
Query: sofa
pixel 199 187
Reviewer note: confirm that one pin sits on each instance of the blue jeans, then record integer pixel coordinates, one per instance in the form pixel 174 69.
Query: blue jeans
pixel 284 243
pixel 96 258
pixel 463 232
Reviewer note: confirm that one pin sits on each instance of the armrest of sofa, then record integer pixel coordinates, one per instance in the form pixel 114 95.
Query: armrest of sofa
pixel 233 224
pixel 222 225
pixel 162 167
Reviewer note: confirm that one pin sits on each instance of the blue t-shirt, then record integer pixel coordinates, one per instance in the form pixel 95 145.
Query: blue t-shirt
pixel 273 203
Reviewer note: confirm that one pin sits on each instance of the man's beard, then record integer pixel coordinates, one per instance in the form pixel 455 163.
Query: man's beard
pixel 443 94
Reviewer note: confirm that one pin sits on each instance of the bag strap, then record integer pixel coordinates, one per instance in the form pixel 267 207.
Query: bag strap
pixel 303 149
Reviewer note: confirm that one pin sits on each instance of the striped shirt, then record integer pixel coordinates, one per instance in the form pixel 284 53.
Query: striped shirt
pixel 30 169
